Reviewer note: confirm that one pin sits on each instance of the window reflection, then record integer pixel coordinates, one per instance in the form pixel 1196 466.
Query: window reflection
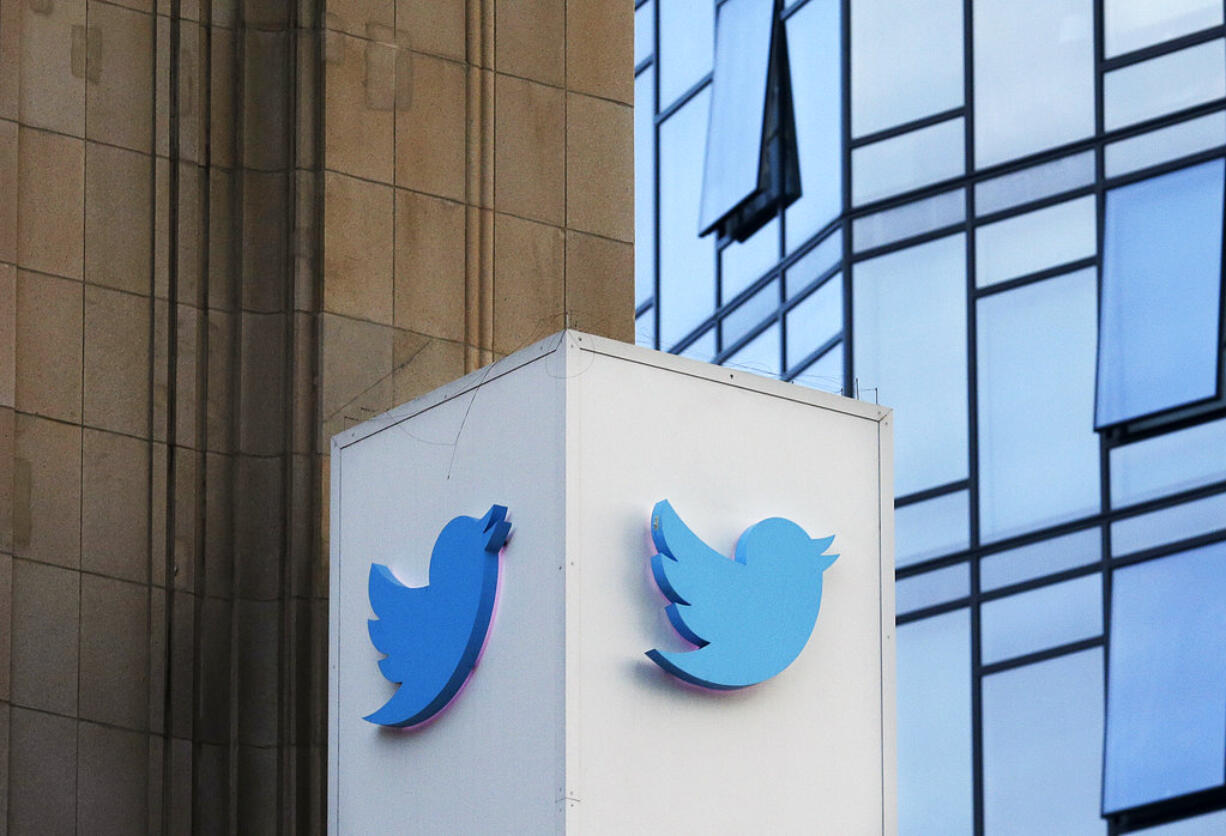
pixel 687 46
pixel 1042 747
pixel 1132 24
pixel 1162 283
pixel 1166 730
pixel 1034 76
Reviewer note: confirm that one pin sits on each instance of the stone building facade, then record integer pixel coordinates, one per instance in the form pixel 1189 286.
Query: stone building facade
pixel 228 230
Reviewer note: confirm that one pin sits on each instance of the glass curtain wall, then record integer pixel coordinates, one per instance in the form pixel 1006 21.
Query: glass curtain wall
pixel 1009 230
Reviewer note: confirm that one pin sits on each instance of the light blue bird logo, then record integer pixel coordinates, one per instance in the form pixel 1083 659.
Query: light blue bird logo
pixel 433 634
pixel 749 617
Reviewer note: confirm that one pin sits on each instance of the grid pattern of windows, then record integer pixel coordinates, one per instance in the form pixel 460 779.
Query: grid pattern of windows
pixel 1009 230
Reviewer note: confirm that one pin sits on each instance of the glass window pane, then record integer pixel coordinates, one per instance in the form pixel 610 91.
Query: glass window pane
pixel 813 263
pixel 1169 525
pixel 824 373
pixel 906 162
pixel 1041 618
pixel 644 31
pixel 738 105
pixel 1038 453
pixel 1165 464
pixel 702 348
pixel 743 263
pixel 1164 84
pixel 644 187
pixel 816 319
pixel 1162 285
pixel 910 345
pixel 1034 183
pixel 645 329
pixel 1038 559
pixel 750 313
pixel 932 588
pixel 815 55
pixel 762 355
pixel 1164 144
pixel 932 528
pixel 1132 24
pixel 934 726
pixel 906 61
pixel 1042 747
pixel 1019 111
pixel 1166 728
pixel 1036 241
pixel 687 262
pixel 687 46
pixel 912 219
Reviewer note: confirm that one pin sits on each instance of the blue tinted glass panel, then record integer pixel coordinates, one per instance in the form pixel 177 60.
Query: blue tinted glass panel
pixel 1019 108
pixel 743 263
pixel 815 262
pixel 816 319
pixel 906 61
pixel 1165 144
pixel 901 163
pixel 1034 183
pixel 1177 461
pixel 687 47
pixel 1166 727
pixel 1041 618
pixel 934 726
pixel 932 588
pixel 762 355
pixel 687 262
pixel 910 346
pixel 644 31
pixel 931 528
pixel 1192 519
pixel 912 219
pixel 1164 84
pixel 702 348
pixel 1132 24
pixel 1038 454
pixel 751 312
pixel 824 373
pixel 1042 747
pixel 738 105
pixel 1036 241
pixel 644 187
pixel 814 52
pixel 1038 559
pixel 645 329
pixel 1162 286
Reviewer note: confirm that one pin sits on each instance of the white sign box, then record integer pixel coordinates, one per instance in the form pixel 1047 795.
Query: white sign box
pixel 565 725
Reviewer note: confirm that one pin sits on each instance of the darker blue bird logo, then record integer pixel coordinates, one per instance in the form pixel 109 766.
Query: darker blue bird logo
pixel 433 634
pixel 749 617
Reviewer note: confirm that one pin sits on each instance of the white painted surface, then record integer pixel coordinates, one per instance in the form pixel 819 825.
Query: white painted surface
pixel 565 724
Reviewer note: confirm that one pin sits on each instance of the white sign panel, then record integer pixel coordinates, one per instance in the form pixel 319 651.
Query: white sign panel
pixel 656 635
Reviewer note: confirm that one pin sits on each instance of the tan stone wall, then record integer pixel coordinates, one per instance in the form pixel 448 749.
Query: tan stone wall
pixel 228 229
pixel 478 188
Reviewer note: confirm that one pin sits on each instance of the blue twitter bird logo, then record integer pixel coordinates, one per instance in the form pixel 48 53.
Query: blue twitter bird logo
pixel 433 634
pixel 750 617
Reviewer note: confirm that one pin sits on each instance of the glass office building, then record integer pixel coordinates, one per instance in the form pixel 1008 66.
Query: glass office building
pixel 1004 220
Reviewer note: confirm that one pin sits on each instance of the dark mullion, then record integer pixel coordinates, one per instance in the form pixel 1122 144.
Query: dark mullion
pixel 1042 655
pixel 1037 276
pixel 1168 549
pixel 932 611
pixel 908 127
pixel 972 417
pixel 1035 205
pixel 655 180
pixel 682 100
pixel 799 367
pixel 1157 50
pixel 849 388
pixel 931 493
pixel 906 243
